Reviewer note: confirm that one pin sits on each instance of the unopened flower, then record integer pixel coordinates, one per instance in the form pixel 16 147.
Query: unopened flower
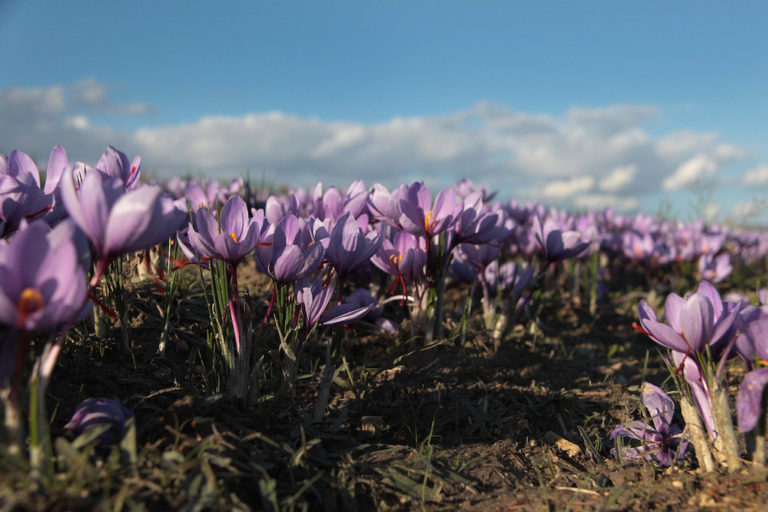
pixel 97 412
pixel 116 221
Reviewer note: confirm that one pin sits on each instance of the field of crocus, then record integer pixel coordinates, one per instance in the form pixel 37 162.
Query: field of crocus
pixel 205 346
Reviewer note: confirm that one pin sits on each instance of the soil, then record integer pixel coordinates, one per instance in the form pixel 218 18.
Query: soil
pixel 454 425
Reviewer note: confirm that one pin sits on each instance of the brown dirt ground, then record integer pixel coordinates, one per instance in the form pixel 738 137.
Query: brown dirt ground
pixel 452 426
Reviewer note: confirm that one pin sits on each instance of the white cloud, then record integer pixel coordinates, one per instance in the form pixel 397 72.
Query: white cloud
pixel 747 212
pixel 564 159
pixel 600 201
pixel 564 189
pixel 689 172
pixel 618 178
pixel 756 175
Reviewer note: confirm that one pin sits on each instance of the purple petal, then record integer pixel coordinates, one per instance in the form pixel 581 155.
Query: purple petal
pixel 749 401
pixel 659 332
pixel 659 405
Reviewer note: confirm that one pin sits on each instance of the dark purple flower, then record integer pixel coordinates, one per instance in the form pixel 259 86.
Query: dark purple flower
pixel 315 300
pixel 662 441
pixel 42 285
pixel 98 412
pixel 361 297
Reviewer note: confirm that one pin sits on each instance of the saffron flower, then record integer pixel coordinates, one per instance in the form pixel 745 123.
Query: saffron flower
pixel 749 401
pixel 315 301
pixel 349 246
pixel 692 323
pixel 42 285
pixel 557 245
pixel 116 221
pixel 115 164
pixel 404 257
pixel 662 440
pixel 232 236
pixel 420 218
pixel 290 252
pixel 20 194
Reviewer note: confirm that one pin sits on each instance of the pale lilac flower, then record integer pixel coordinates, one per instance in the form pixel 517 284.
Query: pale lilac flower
pixel 714 269
pixel 115 221
pixel 349 247
pixel 20 194
pixel 556 244
pixel 290 252
pixel 230 237
pixel 701 319
pixel 114 163
pixel 662 441
pixel 42 285
pixel 750 405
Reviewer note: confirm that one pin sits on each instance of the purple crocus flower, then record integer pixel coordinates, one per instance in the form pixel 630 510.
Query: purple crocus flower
pixel 662 441
pixel 290 252
pixel 97 412
pixel 701 319
pixel 363 298
pixel 557 245
pixel 384 205
pixel 42 285
pixel 116 221
pixel 420 218
pixel 404 257
pixel 349 247
pixel 715 269
pixel 315 300
pixel 20 194
pixel 232 236
pixel 749 401
pixel 753 338
pixel 114 163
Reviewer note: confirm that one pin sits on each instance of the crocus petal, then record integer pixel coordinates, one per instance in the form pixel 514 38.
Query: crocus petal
pixel 710 292
pixel 57 164
pixel 659 405
pixel 129 219
pixel 344 314
pixel 234 217
pixel 696 321
pixel 749 401
pixel 659 332
pixel 673 306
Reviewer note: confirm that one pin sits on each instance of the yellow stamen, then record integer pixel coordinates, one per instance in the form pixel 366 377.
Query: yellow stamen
pixel 30 301
pixel 428 224
pixel 234 237
pixel 395 259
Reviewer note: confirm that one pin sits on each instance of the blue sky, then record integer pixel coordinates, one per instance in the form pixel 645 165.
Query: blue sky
pixel 579 104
